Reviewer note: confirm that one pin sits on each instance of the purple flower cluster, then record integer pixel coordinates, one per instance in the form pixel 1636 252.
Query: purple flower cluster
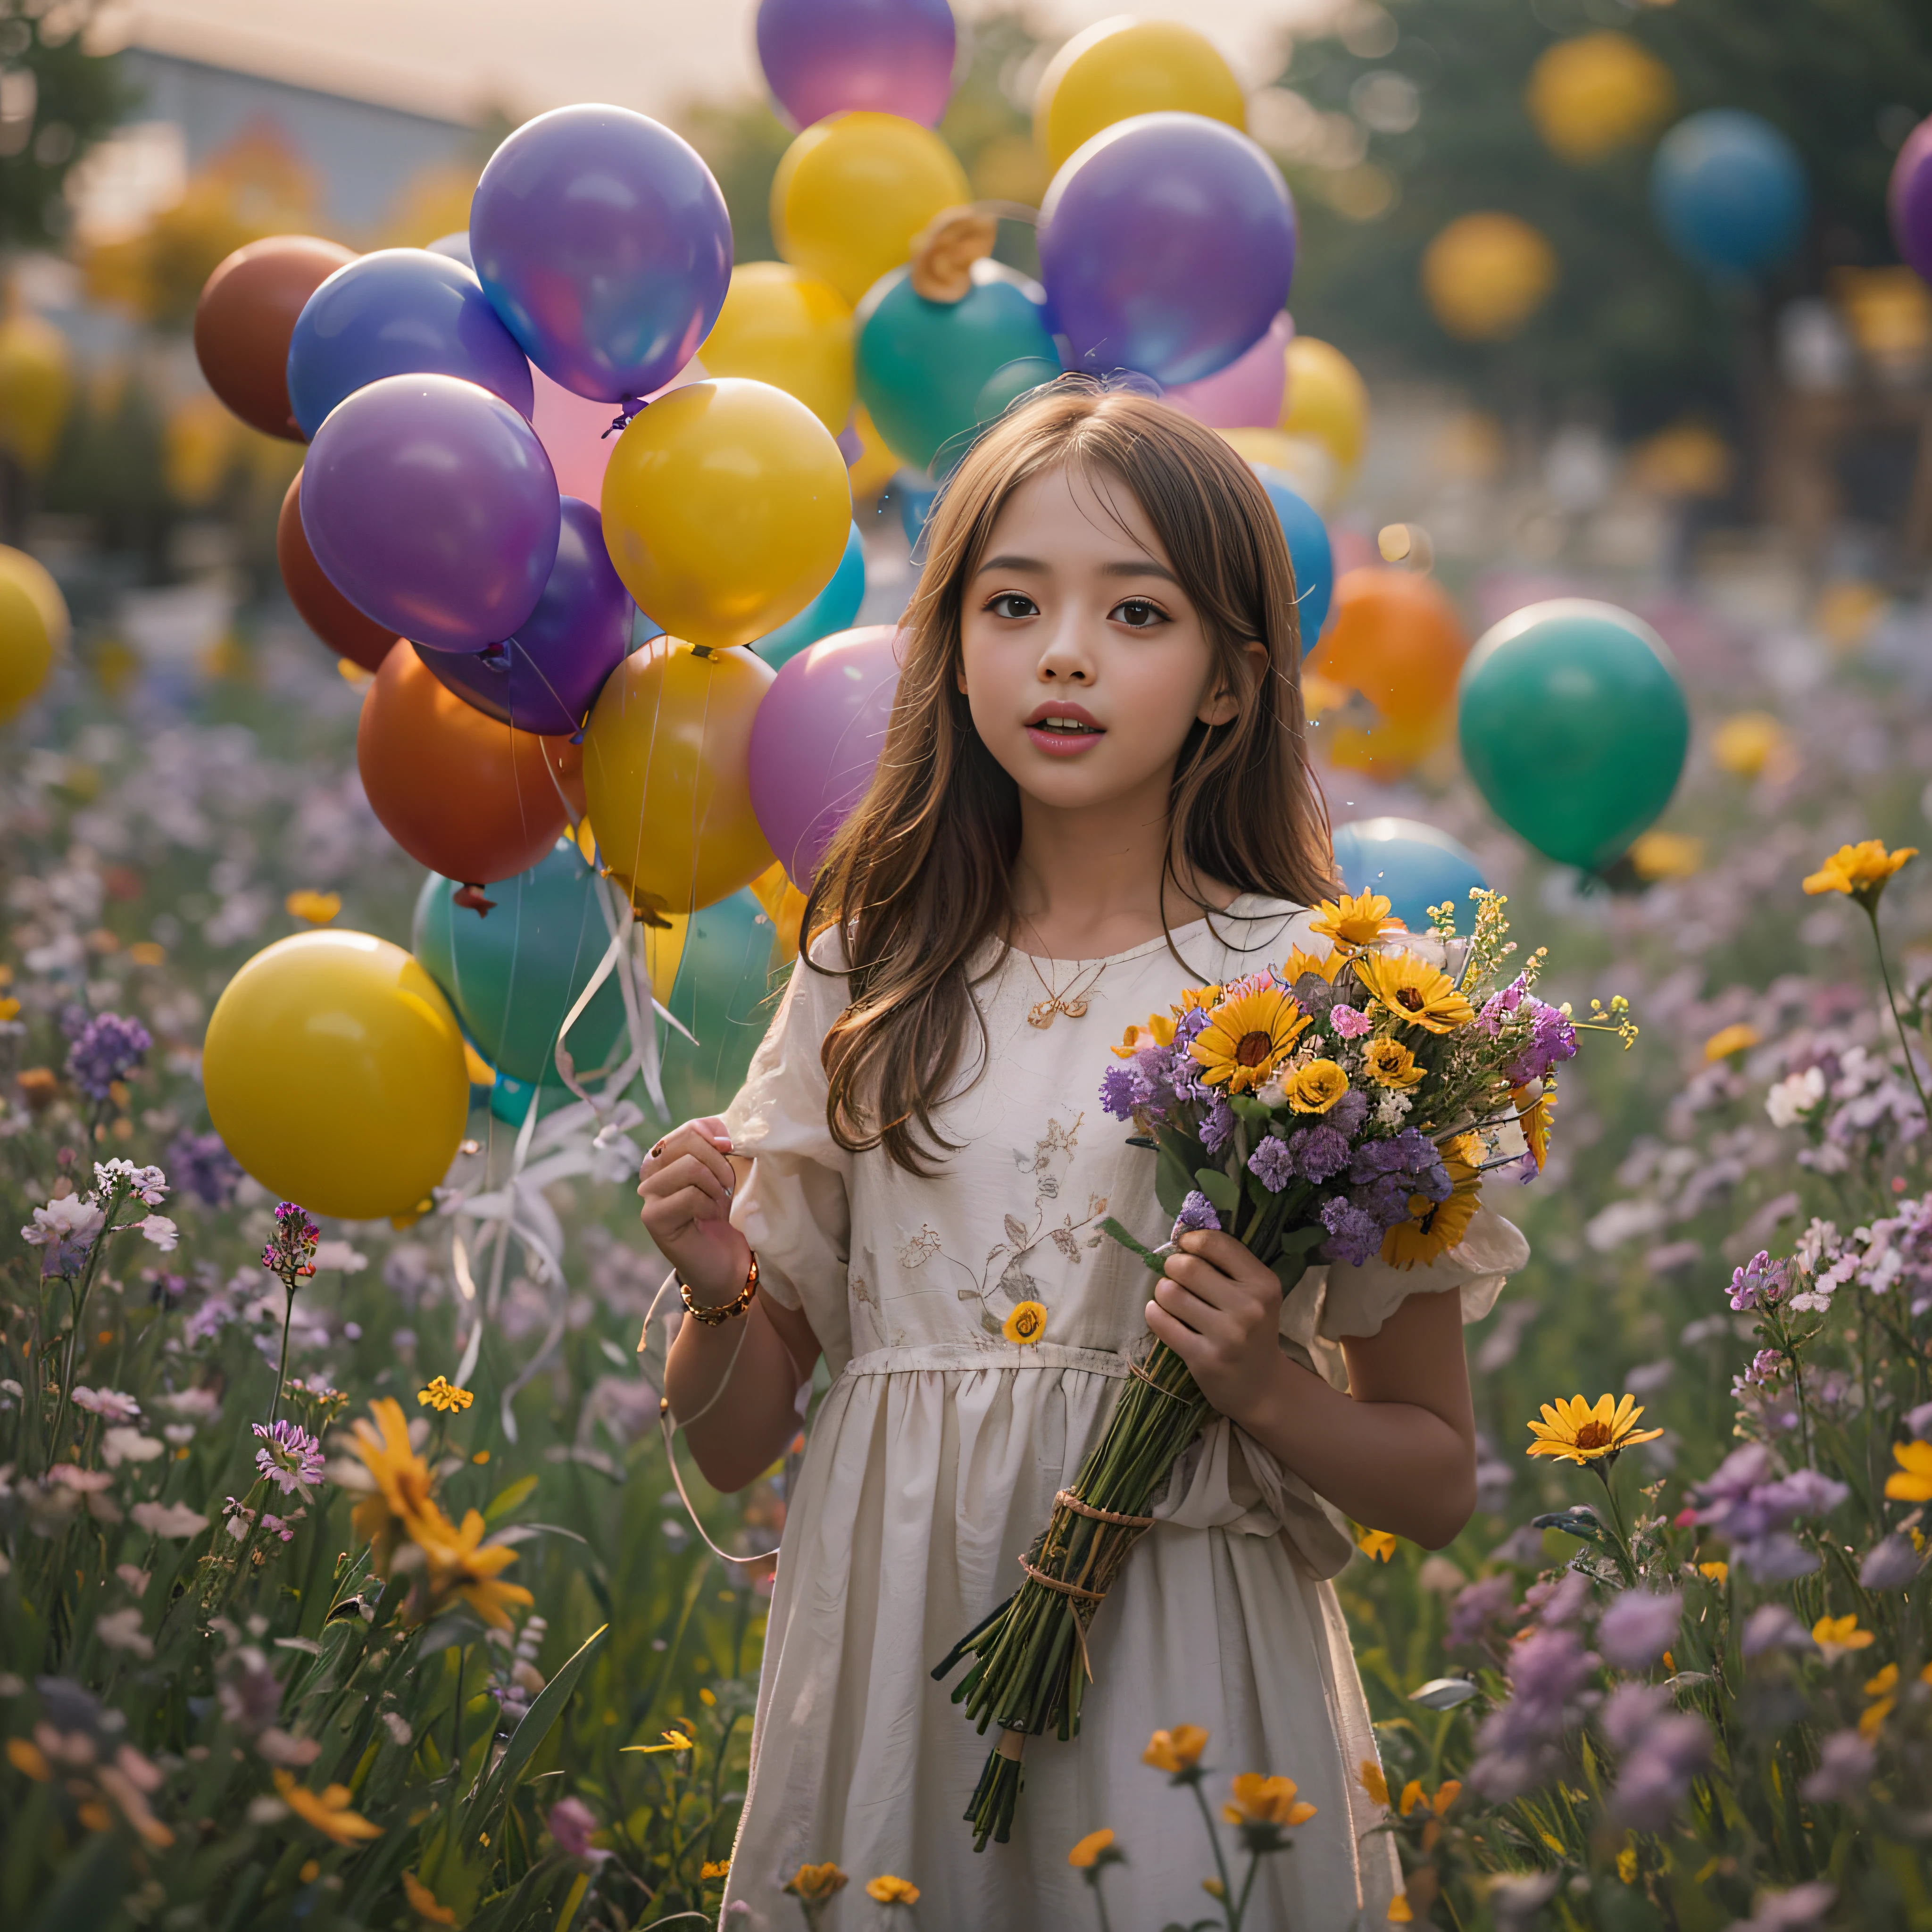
pixel 106 1049
pixel 1197 1213
pixel 291 1248
pixel 1752 1504
pixel 1761 1279
pixel 1519 1741
pixel 1477 1608
pixel 1548 1039
pixel 1661 1749
pixel 1638 1627
pixel 203 1167
pixel 290 1457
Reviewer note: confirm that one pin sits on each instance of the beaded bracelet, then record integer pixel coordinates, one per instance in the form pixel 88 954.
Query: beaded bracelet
pixel 713 1318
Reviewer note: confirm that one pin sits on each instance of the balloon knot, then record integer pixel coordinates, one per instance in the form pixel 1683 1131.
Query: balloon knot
pixel 629 408
pixel 945 250
pixel 471 898
pixel 496 656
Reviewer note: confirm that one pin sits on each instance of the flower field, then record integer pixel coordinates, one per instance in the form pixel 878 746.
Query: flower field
pixel 396 1638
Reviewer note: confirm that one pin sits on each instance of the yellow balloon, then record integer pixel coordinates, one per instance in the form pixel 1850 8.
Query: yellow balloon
pixel 664 953
pixel 784 907
pixel 1596 92
pixel 853 190
pixel 1485 275
pixel 1123 66
pixel 726 510
pixel 33 628
pixel 36 387
pixel 877 465
pixel 668 775
pixel 783 327
pixel 335 1073
pixel 1326 398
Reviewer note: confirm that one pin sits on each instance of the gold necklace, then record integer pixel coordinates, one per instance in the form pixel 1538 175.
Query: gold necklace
pixel 1073 1002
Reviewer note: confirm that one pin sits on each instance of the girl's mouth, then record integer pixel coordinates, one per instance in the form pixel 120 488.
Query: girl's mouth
pixel 1064 731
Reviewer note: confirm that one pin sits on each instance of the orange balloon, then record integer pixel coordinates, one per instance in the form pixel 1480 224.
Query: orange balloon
pixel 245 316
pixel 1389 748
pixel 322 608
pixel 468 797
pixel 1394 636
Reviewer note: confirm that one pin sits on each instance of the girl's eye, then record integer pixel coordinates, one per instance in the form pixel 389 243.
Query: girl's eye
pixel 1138 614
pixel 1013 604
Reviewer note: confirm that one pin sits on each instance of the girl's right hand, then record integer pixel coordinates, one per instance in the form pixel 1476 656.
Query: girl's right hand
pixel 686 1183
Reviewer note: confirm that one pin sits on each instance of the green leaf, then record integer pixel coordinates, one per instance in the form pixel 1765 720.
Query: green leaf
pixel 1112 1227
pixel 1222 1190
pixel 1173 1174
pixel 531 1733
pixel 508 1498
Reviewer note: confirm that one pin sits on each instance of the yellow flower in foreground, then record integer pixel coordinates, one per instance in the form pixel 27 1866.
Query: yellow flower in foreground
pixel 1838 1636
pixel 887 1890
pixel 1159 1031
pixel 1716 1573
pixel 1376 1544
pixel 1177 1751
pixel 1086 1854
pixel 1368 1776
pixel 1535 1107
pixel 1860 871
pixel 1415 992
pixel 1389 1063
pixel 715 1868
pixel 1437 1225
pixel 1266 1800
pixel 317 908
pixel 1315 1088
pixel 677 1741
pixel 462 1564
pixel 1730 1040
pixel 1352 921
pixel 816 1882
pixel 1911 1482
pixel 1026 1324
pixel 1746 741
pixel 442 1397
pixel 1882 1690
pixel 1399 1912
pixel 328 1810
pixel 1657 855
pixel 401 1477
pixel 1247 1036
pixel 424 1903
pixel 9 1007
pixel 1627 1864
pixel 1299 965
pixel 1581 1432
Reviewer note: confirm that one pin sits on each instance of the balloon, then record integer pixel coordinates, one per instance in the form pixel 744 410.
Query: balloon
pixel 1729 191
pixel 726 994
pixel 1326 399
pixel 1006 386
pixel 666 775
pixel 872 469
pixel 1412 866
pixel 318 603
pixel 431 505
pixel 823 57
pixel 816 739
pixel 832 610
pixel 245 317
pixel 547 677
pixel 1385 749
pixel 1124 66
pixel 726 510
pixel 1573 726
pixel 513 976
pixel 400 312
pixel 1167 245
pixel 335 1075
pixel 1594 93
pixel 36 386
pixel 1248 393
pixel 922 364
pixel 1309 551
pixel 456 246
pixel 783 327
pixel 917 492
pixel 26 649
pixel 1909 198
pixel 574 430
pixel 1394 636
pixel 851 192
pixel 604 244
pixel 1485 275
pixel 459 793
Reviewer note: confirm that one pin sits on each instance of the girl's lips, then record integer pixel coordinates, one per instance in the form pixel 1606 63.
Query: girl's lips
pixel 1063 744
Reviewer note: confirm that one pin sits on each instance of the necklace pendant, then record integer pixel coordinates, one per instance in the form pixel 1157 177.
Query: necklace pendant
pixel 1075 1009
pixel 1041 1015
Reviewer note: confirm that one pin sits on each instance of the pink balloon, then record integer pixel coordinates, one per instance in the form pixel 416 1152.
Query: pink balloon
pixel 1246 394
pixel 570 428
pixel 817 738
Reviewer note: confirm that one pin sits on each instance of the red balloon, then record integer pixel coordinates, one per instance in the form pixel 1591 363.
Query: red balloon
pixel 322 608
pixel 245 317
pixel 461 794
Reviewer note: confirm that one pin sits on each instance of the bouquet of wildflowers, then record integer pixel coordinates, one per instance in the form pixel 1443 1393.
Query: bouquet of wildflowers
pixel 1335 1108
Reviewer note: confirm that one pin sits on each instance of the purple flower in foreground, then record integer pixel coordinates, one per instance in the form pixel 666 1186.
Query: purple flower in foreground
pixel 1477 1606
pixel 571 1822
pixel 1272 1164
pixel 1638 1628
pixel 1845 1763
pixel 1760 1279
pixel 290 1457
pixel 1798 1910
pixel 66 1229
pixel 110 1405
pixel 1123 1088
pixel 1773 1627
pixel 1662 1749
pixel 1889 1565
pixel 203 1167
pixel 1552 1040
pixel 107 1049
pixel 1919 1421
pixel 1766 1365
pixel 1217 1126
pixel 1518 1740
pixel 1353 1235
pixel 148 1185
pixel 1349 1113
pixel 1751 1505
pixel 1319 1153
pixel 1197 1213
pixel 291 1248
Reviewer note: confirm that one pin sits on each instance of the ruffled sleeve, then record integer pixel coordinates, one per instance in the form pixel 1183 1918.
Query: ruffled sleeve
pixel 795 1210
pixel 1359 1298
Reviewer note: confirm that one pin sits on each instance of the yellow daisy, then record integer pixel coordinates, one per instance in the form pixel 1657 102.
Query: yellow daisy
pixel 1377 1545
pixel 397 1482
pixel 887 1890
pixel 1583 1432
pixel 1247 1037
pixel 443 1395
pixel 816 1882
pixel 1437 1225
pixel 1299 963
pixel 1359 921
pixel 1266 1800
pixel 1534 1107
pixel 1315 1088
pixel 328 1810
pixel 1087 1853
pixel 1389 1063
pixel 1911 1482
pixel 1414 992
pixel 317 908
pixel 1026 1324
pixel 1177 1750
pixel 460 1564
pixel 1837 1636
pixel 1739 1038
pixel 1159 1031
pixel 1860 871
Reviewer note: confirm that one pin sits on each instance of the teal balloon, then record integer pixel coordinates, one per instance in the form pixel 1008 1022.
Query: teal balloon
pixel 513 974
pixel 726 993
pixel 1412 866
pixel 1006 386
pixel 1309 551
pixel 509 1099
pixel 1574 726
pixel 922 364
pixel 835 608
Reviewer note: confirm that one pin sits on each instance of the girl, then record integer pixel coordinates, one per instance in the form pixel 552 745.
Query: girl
pixel 1094 792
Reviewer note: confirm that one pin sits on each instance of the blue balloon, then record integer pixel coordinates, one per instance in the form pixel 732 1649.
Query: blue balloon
pixel 1729 191
pixel 1413 866
pixel 916 495
pixel 456 245
pixel 1308 550
pixel 835 608
pixel 400 312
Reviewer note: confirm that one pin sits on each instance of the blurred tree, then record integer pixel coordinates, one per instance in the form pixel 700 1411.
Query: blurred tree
pixel 56 100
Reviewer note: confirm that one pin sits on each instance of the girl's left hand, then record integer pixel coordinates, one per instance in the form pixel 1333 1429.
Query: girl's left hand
pixel 1218 1308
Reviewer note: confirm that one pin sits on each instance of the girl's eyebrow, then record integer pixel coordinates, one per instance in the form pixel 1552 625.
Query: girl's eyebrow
pixel 1142 567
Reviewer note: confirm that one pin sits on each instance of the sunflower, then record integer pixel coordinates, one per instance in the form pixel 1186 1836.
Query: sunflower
pixel 1247 1036
pixel 1315 1088
pixel 1437 1225
pixel 1352 922
pixel 397 1482
pixel 1534 1107
pixel 1582 1433
pixel 1389 1063
pixel 1299 965
pixel 460 1564
pixel 1415 992
pixel 1860 871
pixel 1159 1031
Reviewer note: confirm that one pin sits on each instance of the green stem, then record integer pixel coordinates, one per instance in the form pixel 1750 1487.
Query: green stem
pixel 1099 1902
pixel 1905 1045
pixel 282 1365
pixel 1229 1912
pixel 1626 1561
pixel 115 1196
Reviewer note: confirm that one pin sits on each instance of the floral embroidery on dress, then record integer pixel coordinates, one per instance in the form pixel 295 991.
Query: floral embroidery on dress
pixel 920 1249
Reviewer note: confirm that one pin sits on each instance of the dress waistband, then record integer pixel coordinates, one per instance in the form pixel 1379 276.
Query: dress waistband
pixel 966 1355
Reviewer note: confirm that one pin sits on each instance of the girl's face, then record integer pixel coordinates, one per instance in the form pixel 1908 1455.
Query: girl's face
pixel 1083 661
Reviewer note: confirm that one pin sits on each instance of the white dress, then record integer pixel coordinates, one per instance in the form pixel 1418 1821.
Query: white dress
pixel 933 1461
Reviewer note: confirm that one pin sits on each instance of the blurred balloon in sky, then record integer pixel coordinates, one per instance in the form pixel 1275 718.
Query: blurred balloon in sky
pixel 1591 94
pixel 1123 66
pixel 1413 865
pixel 822 57
pixel 781 326
pixel 1486 275
pixel 36 387
pixel 1908 201
pixel 1729 191
pixel 1327 400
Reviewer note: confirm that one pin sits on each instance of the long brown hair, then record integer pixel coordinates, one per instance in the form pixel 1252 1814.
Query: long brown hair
pixel 918 876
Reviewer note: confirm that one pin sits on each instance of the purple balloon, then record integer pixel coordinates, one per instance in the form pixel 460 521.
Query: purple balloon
pixel 604 243
pixel 547 677
pixel 1910 199
pixel 823 57
pixel 431 506
pixel 1167 246
pixel 816 739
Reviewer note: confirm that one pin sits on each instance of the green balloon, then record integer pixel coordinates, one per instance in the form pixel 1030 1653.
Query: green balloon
pixel 922 364
pixel 514 973
pixel 726 993
pixel 1573 726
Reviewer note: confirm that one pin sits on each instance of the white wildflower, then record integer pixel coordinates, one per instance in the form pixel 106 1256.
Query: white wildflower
pixel 121 1629
pixel 121 1445
pixel 174 1520
pixel 160 1230
pixel 1793 1098
pixel 73 1217
pixel 109 1404
pixel 1393 1109
pixel 148 1184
